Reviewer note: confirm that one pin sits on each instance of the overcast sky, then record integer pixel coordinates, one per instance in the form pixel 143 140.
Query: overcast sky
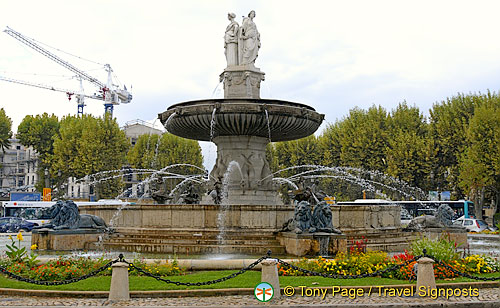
pixel 331 55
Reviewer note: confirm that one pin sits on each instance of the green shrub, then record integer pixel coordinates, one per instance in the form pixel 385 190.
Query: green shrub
pixel 441 249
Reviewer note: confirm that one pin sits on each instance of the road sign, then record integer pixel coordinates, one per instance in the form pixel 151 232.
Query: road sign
pixel 25 196
pixel 47 194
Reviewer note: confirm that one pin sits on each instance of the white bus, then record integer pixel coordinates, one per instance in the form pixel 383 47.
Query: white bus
pixel 32 211
pixel 416 208
pixel 36 211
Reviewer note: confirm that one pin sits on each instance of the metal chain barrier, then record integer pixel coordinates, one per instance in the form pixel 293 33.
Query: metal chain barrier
pixel 243 270
pixel 61 282
pixel 465 274
pixel 334 276
pixel 205 283
pixel 459 273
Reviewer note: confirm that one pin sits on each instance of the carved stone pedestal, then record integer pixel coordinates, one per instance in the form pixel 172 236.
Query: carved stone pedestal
pixel 248 179
pixel 242 81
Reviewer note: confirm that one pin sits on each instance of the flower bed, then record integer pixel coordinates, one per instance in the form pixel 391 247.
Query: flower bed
pixel 19 262
pixel 357 262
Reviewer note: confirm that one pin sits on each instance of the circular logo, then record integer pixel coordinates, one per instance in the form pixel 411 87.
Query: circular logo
pixel 263 292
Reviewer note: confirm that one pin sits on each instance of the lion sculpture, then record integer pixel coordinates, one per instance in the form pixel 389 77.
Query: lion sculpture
pixel 307 221
pixel 302 219
pixel 443 219
pixel 65 215
pixel 322 219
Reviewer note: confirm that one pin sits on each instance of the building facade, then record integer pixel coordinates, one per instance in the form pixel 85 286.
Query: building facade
pixel 18 168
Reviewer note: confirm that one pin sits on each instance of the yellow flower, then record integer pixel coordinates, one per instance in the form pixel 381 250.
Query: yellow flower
pixel 20 236
pixel 10 237
pixel 34 247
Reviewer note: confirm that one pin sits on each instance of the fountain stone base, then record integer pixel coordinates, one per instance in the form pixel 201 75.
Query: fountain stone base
pixel 66 239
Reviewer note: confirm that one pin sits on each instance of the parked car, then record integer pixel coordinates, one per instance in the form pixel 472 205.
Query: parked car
pixel 472 224
pixel 15 224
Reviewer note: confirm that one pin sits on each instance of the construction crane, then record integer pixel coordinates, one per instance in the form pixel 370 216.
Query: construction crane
pixel 108 92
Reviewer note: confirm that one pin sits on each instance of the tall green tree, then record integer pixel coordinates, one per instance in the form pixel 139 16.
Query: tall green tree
pixel 87 145
pixel 304 151
pixel 480 162
pixel 449 121
pixel 330 144
pixel 156 152
pixel 410 148
pixel 153 151
pixel 5 130
pixel 38 132
pixel 363 138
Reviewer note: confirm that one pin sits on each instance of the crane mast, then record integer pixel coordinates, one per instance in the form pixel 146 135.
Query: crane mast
pixel 110 94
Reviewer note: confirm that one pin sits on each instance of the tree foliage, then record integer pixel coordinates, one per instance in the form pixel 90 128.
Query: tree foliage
pixel 86 145
pixel 363 138
pixel 456 149
pixel 5 130
pixel 449 120
pixel 479 163
pixel 156 152
pixel 304 151
pixel 410 149
pixel 38 131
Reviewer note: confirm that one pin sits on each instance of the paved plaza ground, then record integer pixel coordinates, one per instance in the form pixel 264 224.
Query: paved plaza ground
pixel 488 297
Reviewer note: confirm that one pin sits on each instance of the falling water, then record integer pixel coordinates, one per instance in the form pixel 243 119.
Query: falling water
pixel 356 176
pixel 224 205
pixel 153 163
pixel 149 138
pixel 216 90
pixel 147 181
pixel 268 125
pixel 283 180
pixel 168 120
pixel 212 124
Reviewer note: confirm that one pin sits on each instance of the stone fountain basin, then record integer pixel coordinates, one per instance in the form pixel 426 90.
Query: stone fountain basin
pixel 241 117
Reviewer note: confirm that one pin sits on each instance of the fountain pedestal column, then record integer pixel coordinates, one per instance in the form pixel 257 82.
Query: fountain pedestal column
pixel 243 170
pixel 242 81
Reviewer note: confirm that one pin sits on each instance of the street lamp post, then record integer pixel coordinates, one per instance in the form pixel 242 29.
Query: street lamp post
pixel 47 178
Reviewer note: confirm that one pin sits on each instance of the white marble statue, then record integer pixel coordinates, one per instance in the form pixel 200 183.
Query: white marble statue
pixel 231 41
pixel 249 40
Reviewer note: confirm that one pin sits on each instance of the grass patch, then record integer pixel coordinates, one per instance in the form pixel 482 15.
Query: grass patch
pixel 247 280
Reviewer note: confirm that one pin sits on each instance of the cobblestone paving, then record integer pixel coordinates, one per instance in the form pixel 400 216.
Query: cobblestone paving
pixel 490 295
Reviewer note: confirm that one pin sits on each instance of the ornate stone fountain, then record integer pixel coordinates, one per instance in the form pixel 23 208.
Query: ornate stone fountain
pixel 242 124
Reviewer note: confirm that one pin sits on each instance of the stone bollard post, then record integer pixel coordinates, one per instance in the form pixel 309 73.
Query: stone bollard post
pixel 425 273
pixel 270 275
pixel 119 289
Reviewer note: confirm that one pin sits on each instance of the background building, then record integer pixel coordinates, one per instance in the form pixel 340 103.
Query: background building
pixel 18 169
